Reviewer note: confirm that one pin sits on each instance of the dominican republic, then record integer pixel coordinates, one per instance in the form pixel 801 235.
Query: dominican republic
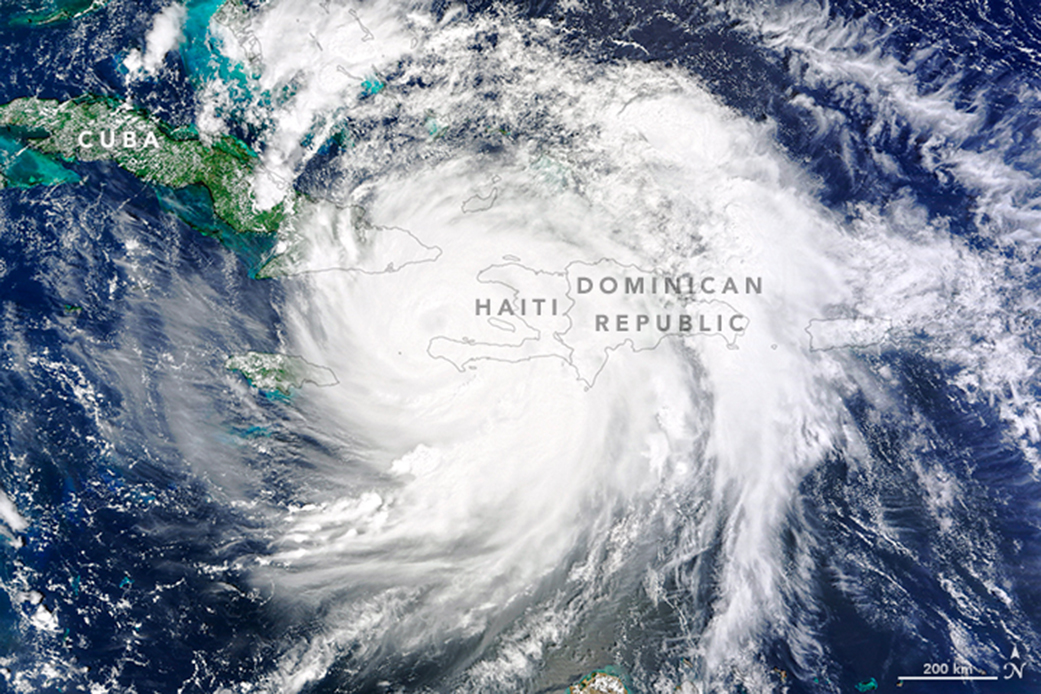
pixel 667 323
pixel 654 284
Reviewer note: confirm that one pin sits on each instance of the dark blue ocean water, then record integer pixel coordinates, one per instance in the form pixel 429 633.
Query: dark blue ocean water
pixel 116 519
pixel 112 310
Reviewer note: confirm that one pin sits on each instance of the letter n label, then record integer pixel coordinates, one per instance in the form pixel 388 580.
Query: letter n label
pixel 1013 670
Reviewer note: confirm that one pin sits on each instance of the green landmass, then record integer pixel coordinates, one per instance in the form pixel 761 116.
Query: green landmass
pixel 599 683
pixel 279 373
pixel 158 154
pixel 48 11
pixel 21 167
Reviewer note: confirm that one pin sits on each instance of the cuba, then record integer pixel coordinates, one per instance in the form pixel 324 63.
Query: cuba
pixel 109 139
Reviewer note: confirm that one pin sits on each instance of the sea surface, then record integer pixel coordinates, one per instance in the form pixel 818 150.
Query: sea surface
pixel 845 493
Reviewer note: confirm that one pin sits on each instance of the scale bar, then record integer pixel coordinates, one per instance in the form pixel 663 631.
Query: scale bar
pixel 949 678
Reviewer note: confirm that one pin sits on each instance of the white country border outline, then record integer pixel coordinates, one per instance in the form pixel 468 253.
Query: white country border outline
pixel 515 292
pixel 887 322
pixel 561 336
pixel 389 269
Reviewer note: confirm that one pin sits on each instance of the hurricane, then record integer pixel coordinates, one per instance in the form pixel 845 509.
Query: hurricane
pixel 553 347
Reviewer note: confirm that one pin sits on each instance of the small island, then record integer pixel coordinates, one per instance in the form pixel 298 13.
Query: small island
pixel 279 373
pixel 599 683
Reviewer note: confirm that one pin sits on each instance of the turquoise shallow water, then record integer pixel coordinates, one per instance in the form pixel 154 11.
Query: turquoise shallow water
pixel 127 448
pixel 22 167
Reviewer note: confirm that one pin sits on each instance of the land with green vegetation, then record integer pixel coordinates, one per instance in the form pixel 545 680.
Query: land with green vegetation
pixel 49 12
pixel 175 158
pixel 279 373
pixel 599 683
pixel 22 167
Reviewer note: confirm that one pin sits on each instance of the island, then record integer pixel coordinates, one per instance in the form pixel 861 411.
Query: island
pixel 95 128
pixel 599 683
pixel 279 374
